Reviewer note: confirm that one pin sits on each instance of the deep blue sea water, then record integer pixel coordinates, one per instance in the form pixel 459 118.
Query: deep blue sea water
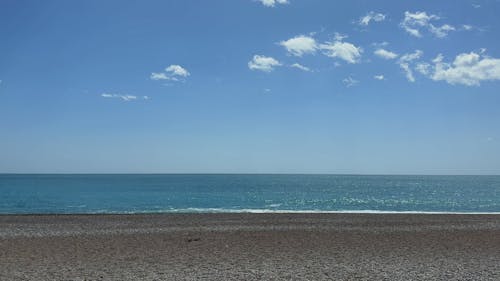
pixel 20 194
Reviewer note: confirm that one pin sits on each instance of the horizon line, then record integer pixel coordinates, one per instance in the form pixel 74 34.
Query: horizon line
pixel 243 173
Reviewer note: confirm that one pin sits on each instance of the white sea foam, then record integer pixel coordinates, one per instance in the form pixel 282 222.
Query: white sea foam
pixel 267 211
pixel 274 205
pixel 284 211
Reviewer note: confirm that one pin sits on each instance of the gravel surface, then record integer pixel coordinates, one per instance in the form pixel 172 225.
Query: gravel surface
pixel 250 247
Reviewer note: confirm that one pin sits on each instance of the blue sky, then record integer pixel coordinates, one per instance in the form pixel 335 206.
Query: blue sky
pixel 297 86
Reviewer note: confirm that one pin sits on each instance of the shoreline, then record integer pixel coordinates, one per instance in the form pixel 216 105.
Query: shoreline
pixel 246 246
pixel 208 211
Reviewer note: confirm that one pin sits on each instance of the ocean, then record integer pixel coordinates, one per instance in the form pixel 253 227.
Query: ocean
pixel 168 193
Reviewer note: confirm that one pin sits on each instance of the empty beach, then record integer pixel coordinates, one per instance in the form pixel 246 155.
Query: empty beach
pixel 250 247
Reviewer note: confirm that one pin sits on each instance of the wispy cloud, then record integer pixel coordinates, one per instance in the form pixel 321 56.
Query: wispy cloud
pixel 172 72
pixel 300 45
pixel 405 62
pixel 343 50
pixel 467 27
pixel 380 44
pixel 158 76
pixel 411 56
pixel 301 67
pixel 263 63
pixel 349 82
pixel 379 77
pixel 442 30
pixel 272 3
pixel 423 68
pixel 124 97
pixel 408 72
pixel 414 22
pixel 388 55
pixel 371 16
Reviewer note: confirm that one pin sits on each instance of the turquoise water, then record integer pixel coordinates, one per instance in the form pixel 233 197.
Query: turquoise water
pixel 20 194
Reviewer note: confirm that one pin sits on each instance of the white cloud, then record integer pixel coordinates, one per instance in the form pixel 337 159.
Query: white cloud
pixel 172 72
pixel 158 76
pixel 467 27
pixel 379 77
pixel 418 18
pixel 380 44
pixel 409 73
pixel 272 3
pixel 405 60
pixel 413 31
pixel 423 68
pixel 128 97
pixel 467 69
pixel 371 16
pixel 343 50
pixel 339 36
pixel 177 70
pixel 413 22
pixel 349 82
pixel 263 63
pixel 123 97
pixel 300 45
pixel 301 67
pixel 441 31
pixel 388 55
pixel 411 56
